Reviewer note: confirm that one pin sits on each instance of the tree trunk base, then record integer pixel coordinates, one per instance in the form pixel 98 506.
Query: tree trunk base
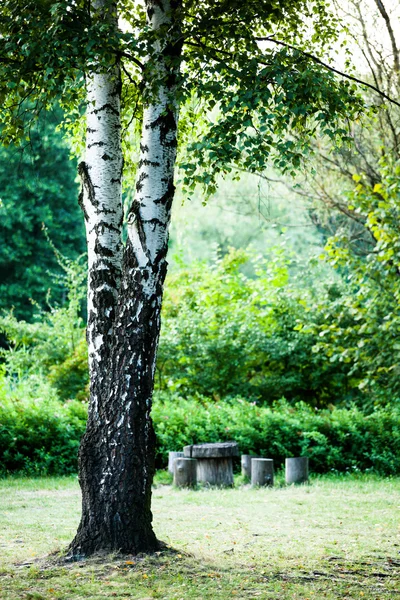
pixel 85 545
pixel 116 472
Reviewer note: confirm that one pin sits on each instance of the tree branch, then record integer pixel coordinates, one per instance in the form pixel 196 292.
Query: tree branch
pixel 395 50
pixel 132 58
pixel 326 66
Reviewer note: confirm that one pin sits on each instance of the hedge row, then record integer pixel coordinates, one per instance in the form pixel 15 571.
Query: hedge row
pixel 336 439
pixel 42 435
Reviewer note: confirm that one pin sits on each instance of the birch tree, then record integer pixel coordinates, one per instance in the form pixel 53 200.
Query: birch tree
pixel 240 96
pixel 124 301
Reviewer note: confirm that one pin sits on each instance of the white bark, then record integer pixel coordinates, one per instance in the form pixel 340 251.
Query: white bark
pixel 104 164
pixel 101 174
pixel 150 215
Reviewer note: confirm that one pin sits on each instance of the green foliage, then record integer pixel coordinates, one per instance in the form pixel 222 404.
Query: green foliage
pixel 38 434
pixel 259 98
pixel 361 325
pixel 47 49
pixel 335 440
pixel 268 112
pixel 162 477
pixel 70 377
pixel 45 364
pixel 226 332
pixel 53 345
pixel 38 199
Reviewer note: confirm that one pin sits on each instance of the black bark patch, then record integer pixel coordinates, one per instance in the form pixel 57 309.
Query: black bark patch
pixel 139 184
pixel 106 107
pixel 167 198
pixel 155 221
pixel 148 163
pixel 96 144
pixel 107 211
pixel 106 157
pixel 102 250
pixel 134 215
pixel 98 276
pixel 160 259
pixel 82 205
pixel 102 225
pixel 83 171
pixel 167 125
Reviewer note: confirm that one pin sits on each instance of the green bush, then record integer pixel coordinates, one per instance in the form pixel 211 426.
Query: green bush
pixel 232 328
pixel 334 439
pixel 360 327
pixel 38 434
pixel 53 345
pixel 71 378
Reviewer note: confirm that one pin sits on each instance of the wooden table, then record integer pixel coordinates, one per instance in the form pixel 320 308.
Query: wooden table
pixel 214 462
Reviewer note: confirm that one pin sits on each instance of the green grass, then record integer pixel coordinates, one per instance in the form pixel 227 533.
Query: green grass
pixel 338 537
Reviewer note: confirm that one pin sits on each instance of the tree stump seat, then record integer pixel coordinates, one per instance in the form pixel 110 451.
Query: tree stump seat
pixel 246 464
pixel 185 472
pixel 296 470
pixel 172 456
pixel 214 462
pixel 262 472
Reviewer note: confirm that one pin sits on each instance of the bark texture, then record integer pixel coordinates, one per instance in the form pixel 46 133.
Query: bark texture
pixel 116 457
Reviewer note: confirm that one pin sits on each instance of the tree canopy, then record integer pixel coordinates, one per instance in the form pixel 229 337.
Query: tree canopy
pixel 247 98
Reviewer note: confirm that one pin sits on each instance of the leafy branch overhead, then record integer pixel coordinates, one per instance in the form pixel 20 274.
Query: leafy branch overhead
pixel 269 112
pixel 258 101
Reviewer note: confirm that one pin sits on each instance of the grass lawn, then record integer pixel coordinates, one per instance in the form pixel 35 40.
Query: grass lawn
pixel 338 537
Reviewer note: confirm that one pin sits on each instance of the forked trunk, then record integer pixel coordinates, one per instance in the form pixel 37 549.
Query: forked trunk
pixel 116 458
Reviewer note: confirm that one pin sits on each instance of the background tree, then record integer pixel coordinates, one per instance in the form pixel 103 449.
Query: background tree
pixel 38 190
pixel 353 199
pixel 371 27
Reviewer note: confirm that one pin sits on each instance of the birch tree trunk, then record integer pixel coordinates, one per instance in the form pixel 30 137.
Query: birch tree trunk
pixel 116 458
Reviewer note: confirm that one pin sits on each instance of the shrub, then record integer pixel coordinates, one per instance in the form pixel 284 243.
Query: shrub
pixel 226 332
pixel 334 439
pixel 54 344
pixel 38 434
